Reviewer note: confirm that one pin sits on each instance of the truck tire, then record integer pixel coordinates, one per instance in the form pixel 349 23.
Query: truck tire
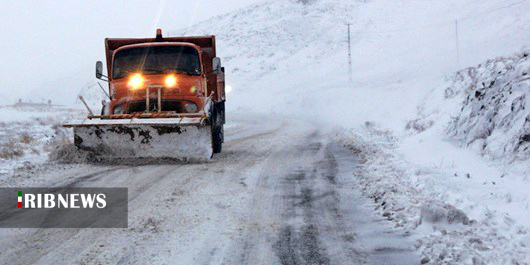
pixel 217 139
pixel 217 131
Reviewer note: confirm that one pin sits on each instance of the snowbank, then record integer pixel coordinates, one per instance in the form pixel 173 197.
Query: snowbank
pixel 456 217
pixel 457 176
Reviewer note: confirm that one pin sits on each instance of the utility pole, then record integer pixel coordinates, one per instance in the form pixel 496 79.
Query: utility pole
pixel 350 70
pixel 457 45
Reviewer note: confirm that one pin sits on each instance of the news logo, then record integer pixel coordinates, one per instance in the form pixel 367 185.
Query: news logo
pixel 50 200
pixel 64 207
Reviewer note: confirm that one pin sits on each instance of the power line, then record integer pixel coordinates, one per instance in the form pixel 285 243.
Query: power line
pixel 442 22
pixel 493 10
pixel 476 15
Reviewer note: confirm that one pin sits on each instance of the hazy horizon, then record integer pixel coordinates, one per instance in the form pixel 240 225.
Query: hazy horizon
pixel 55 43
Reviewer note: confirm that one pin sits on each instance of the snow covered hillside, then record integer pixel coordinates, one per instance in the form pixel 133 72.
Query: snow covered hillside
pixel 290 57
pixel 495 116
pixel 280 55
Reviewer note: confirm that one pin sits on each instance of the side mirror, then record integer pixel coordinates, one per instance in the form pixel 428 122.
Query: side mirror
pixel 99 69
pixel 216 65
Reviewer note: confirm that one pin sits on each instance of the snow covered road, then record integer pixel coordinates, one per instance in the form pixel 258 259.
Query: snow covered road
pixel 282 192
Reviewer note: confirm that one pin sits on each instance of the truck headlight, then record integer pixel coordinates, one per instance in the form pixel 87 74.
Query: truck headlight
pixel 190 107
pixel 171 81
pixel 136 81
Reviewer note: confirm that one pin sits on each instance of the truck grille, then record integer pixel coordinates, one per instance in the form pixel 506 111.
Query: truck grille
pixel 167 105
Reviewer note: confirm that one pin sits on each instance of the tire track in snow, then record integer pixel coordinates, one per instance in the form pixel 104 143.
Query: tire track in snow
pixel 295 217
pixel 320 236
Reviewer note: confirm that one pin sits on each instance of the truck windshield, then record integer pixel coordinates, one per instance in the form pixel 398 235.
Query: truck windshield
pixel 156 60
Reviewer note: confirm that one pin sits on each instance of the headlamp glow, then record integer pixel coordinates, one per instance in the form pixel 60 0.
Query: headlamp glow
pixel 171 81
pixel 136 81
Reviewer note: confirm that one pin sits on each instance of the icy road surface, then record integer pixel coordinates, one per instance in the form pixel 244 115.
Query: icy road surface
pixel 282 192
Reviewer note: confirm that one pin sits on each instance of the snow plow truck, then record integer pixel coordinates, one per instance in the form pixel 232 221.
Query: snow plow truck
pixel 167 100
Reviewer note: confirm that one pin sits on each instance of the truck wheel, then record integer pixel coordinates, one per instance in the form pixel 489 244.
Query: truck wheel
pixel 217 139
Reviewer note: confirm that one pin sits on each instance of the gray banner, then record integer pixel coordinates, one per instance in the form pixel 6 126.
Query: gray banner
pixel 63 207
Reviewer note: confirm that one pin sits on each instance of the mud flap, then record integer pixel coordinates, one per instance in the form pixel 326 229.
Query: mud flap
pixel 187 143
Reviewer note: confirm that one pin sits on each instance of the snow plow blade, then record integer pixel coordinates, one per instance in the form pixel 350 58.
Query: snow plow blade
pixel 184 139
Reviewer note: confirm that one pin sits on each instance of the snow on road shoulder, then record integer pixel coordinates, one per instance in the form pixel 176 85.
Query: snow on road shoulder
pixel 432 203
pixel 469 143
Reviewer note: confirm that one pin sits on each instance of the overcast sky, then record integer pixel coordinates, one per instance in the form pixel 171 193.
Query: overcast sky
pixel 43 42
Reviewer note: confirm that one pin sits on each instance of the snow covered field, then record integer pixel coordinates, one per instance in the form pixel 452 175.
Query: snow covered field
pixel 29 134
pixel 437 129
